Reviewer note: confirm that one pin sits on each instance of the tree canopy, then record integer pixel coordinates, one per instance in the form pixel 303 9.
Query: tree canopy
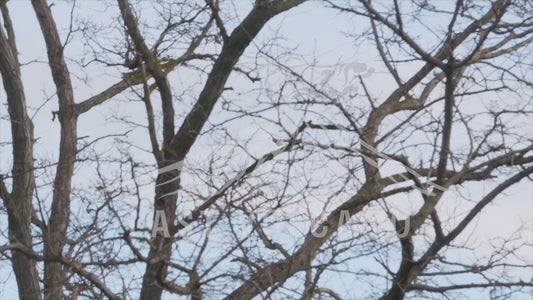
pixel 267 149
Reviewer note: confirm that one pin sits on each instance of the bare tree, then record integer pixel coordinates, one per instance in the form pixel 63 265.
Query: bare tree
pixel 359 182
pixel 18 202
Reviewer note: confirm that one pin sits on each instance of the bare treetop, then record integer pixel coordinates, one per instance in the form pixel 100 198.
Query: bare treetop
pixel 282 149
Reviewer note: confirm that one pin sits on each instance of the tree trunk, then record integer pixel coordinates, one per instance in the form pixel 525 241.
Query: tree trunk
pixel 19 201
pixel 54 239
pixel 178 147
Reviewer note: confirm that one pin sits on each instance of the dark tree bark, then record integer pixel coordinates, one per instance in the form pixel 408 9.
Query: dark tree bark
pixel 19 201
pixel 176 146
pixel 55 237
